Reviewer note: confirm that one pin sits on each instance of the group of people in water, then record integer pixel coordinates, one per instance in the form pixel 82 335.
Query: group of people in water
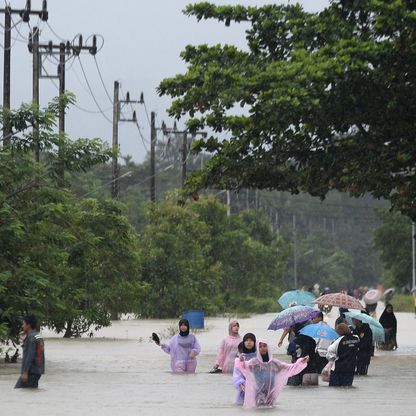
pixel 258 377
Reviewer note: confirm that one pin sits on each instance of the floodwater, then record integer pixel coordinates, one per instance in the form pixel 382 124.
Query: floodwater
pixel 120 372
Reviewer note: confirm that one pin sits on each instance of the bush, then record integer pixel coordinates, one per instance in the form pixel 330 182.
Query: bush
pixel 403 303
pixel 251 304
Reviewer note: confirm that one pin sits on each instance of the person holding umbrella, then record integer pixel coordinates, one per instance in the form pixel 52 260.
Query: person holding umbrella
pixel 342 354
pixel 303 346
pixel 365 335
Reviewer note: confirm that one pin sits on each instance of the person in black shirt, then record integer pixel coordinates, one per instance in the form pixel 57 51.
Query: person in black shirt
pixel 303 346
pixel 364 333
pixel 342 354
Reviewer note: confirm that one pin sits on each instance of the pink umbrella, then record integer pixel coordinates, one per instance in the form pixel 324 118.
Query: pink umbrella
pixel 339 299
pixel 372 297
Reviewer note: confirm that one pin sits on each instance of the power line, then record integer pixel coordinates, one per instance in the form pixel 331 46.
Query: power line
pixel 102 81
pixel 91 92
pixel 53 31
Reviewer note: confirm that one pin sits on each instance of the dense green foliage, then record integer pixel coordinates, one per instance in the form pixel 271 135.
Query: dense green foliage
pixel 70 262
pixel 197 257
pixel 327 99
pixel 393 241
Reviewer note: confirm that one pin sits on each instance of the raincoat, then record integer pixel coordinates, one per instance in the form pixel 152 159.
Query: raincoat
pixel 239 378
pixel 265 380
pixel 179 348
pixel 228 351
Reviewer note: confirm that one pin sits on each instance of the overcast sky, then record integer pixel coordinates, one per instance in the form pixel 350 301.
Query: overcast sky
pixel 142 43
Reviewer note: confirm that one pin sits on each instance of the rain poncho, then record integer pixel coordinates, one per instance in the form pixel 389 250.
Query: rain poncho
pixel 238 377
pixel 265 380
pixel 179 348
pixel 228 350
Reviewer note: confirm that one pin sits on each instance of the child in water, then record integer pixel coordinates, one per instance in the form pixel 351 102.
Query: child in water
pixel 183 349
pixel 265 377
pixel 247 351
pixel 228 350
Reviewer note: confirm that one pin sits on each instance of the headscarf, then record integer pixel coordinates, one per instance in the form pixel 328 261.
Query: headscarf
pixel 268 356
pixel 247 336
pixel 388 319
pixel 230 325
pixel 185 322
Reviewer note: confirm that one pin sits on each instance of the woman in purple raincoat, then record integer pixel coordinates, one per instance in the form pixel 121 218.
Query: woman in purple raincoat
pixel 248 351
pixel 182 348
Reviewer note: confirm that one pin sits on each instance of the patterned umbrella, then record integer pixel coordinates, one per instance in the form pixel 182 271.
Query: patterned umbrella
pixel 376 328
pixel 372 297
pixel 291 316
pixel 339 299
pixel 296 297
pixel 320 330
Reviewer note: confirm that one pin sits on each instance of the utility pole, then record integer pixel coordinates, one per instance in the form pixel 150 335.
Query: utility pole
pixel 62 49
pixel 413 257
pixel 35 89
pixel 152 157
pixel 114 166
pixel 295 254
pixel 117 103
pixel 184 156
pixel 6 74
pixel 25 15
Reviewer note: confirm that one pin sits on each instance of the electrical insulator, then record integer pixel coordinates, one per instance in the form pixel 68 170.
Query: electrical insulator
pixel 134 117
pixel 68 47
pixel 80 41
pixel 128 97
pixel 174 126
pixel 50 47
pixel 141 98
pixel 44 13
pixel 164 128
pixel 93 49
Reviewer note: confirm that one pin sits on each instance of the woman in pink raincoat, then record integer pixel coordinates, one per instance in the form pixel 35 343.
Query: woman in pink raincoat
pixel 265 377
pixel 182 348
pixel 228 350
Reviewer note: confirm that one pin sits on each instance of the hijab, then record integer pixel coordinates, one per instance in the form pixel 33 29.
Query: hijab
pixel 251 336
pixel 185 322
pixel 388 319
pixel 230 326
pixel 266 357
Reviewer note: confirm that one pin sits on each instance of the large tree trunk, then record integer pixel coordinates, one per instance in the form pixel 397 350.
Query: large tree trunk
pixel 68 330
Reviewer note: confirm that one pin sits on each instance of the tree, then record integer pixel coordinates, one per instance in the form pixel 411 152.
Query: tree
pixel 68 261
pixel 177 263
pixel 327 100
pixel 393 241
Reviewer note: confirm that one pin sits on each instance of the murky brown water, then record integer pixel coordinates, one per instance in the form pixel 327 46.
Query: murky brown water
pixel 120 372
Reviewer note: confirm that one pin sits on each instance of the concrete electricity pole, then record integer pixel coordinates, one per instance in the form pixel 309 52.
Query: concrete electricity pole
pixel 25 15
pixel 63 49
pixel 114 164
pixel 117 104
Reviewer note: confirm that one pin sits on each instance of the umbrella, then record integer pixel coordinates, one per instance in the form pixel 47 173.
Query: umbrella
pixel 372 297
pixel 296 297
pixel 339 299
pixel 376 328
pixel 389 293
pixel 291 316
pixel 320 330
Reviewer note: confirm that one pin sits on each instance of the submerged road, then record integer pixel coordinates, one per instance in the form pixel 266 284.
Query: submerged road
pixel 120 372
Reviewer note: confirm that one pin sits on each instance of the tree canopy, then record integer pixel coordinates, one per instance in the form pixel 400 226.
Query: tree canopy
pixel 327 100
